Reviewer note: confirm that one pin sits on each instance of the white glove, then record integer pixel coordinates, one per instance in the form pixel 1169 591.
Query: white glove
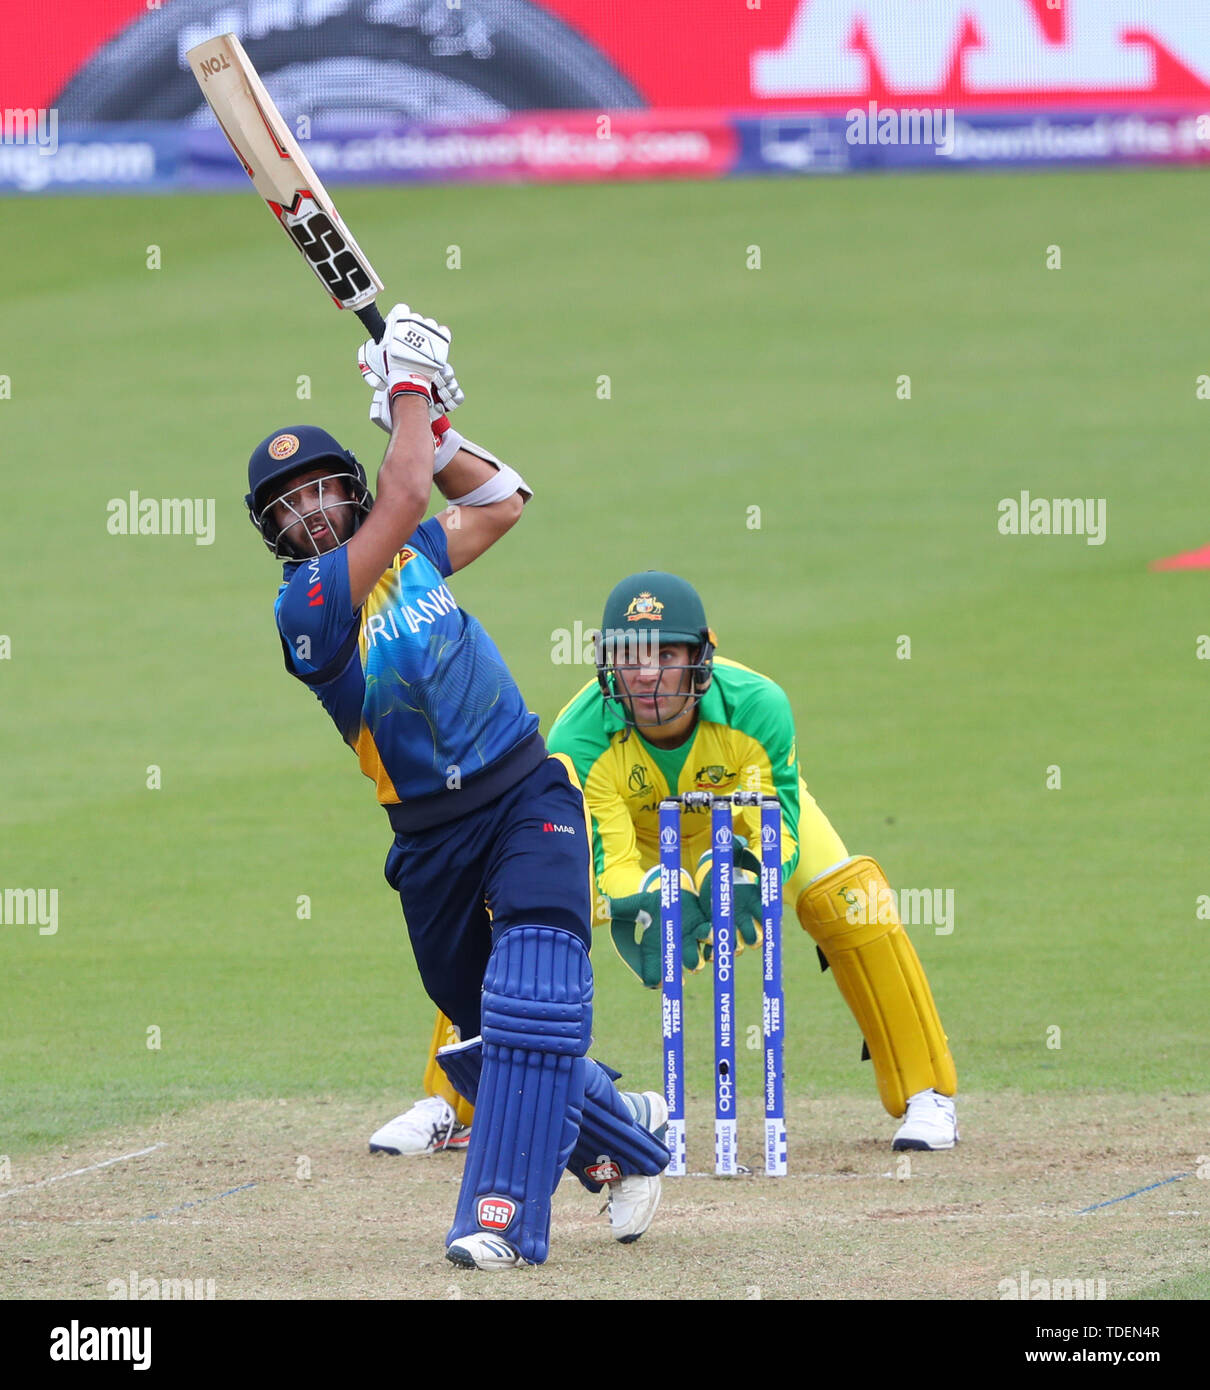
pixel 446 395
pixel 412 352
pixel 380 409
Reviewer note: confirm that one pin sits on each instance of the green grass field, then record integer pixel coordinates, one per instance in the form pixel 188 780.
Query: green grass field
pixel 731 388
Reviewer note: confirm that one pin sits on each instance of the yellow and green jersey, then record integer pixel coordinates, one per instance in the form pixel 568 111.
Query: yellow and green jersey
pixel 743 741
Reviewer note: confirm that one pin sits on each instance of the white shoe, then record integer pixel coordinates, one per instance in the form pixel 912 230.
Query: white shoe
pixel 428 1127
pixel 632 1204
pixel 634 1199
pixel 930 1123
pixel 481 1251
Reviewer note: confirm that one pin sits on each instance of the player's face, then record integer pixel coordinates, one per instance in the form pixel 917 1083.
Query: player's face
pixel 314 512
pixel 656 684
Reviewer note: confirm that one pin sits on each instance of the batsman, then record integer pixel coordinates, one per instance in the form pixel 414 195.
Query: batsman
pixel 666 715
pixel 491 850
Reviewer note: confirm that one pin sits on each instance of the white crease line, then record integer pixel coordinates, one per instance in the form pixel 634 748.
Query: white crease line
pixel 75 1172
pixel 816 1177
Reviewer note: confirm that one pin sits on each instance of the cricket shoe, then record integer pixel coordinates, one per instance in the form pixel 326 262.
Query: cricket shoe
pixel 649 1109
pixel 427 1128
pixel 633 1200
pixel 482 1251
pixel 930 1123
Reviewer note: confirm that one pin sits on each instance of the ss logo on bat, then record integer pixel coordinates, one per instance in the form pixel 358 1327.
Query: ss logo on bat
pixel 321 242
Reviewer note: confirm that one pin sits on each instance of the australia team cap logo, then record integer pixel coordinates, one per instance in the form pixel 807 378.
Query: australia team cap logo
pixel 644 607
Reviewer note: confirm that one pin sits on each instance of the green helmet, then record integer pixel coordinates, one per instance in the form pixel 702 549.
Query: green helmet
pixel 642 612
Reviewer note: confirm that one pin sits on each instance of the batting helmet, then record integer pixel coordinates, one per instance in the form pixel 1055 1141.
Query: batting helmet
pixel 281 456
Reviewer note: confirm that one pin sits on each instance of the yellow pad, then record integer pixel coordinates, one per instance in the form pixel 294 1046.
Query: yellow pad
pixel 881 979
pixel 436 1083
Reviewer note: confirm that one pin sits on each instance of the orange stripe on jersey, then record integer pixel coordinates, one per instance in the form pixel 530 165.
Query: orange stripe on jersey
pixel 365 747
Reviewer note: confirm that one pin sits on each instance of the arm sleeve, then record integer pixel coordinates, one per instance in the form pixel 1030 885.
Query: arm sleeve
pixel 615 848
pixel 578 735
pixel 429 540
pixel 769 722
pixel 314 611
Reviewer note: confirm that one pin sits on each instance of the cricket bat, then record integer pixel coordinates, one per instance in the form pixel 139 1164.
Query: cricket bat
pixel 282 175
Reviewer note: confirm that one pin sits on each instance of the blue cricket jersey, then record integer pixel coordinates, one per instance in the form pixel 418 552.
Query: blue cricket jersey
pixel 415 685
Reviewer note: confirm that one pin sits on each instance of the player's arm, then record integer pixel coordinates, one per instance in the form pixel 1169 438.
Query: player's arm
pixel 486 496
pixel 579 736
pixel 632 892
pixel 405 484
pixel 616 861
pixel 471 525
pixel 401 368
pixel 767 720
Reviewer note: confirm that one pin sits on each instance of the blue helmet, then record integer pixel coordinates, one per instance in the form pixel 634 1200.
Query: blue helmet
pixel 279 457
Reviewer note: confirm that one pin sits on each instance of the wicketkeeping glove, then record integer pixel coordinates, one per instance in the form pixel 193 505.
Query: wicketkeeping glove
pixel 635 928
pixel 746 911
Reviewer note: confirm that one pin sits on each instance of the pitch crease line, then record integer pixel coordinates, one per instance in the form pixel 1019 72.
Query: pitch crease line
pixel 201 1202
pixel 1136 1193
pixel 76 1172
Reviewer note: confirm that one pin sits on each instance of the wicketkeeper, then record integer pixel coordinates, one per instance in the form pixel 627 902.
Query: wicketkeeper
pixel 491 846
pixel 665 716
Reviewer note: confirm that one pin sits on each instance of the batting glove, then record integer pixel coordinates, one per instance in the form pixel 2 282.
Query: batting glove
pixel 447 394
pixel 412 353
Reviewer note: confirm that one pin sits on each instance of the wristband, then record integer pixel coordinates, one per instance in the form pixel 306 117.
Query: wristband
pixel 412 384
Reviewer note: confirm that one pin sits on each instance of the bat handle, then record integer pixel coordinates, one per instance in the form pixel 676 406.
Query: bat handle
pixel 373 321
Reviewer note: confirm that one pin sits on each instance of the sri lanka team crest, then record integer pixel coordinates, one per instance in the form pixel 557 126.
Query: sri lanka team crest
pixel 644 606
pixel 283 446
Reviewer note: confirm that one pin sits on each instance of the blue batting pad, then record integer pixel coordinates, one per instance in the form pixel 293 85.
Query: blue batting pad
pixel 462 1062
pixel 537 1020
pixel 608 1131
pixel 611 1143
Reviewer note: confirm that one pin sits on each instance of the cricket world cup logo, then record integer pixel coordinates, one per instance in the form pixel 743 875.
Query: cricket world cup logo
pixel 668 837
pixel 722 837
